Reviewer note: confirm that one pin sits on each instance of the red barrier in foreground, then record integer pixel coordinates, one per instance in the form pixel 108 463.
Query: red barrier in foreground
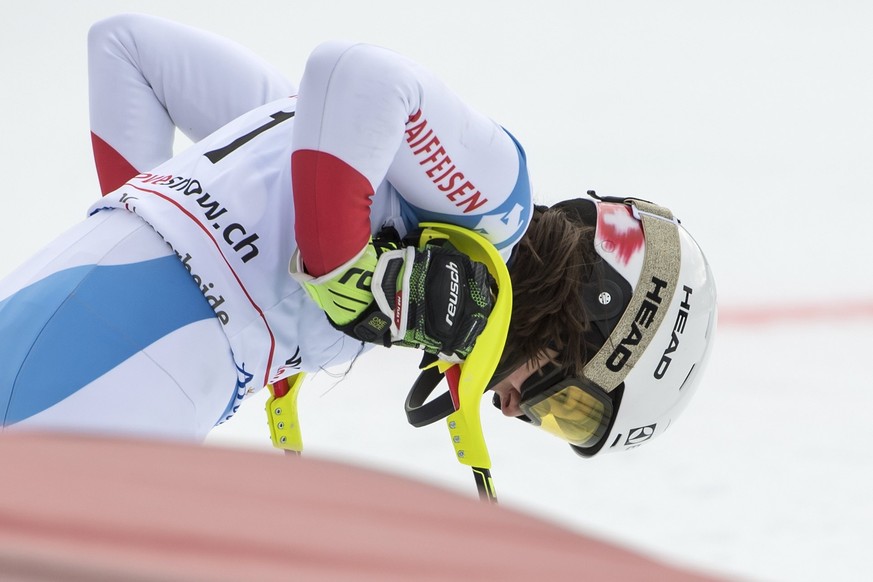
pixel 90 509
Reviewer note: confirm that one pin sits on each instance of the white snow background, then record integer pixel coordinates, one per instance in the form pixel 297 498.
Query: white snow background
pixel 753 121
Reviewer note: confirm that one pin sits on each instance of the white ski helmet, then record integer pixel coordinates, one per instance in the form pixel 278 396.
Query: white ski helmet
pixel 653 307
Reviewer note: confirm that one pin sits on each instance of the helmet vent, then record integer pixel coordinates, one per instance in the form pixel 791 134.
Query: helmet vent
pixel 685 381
pixel 709 324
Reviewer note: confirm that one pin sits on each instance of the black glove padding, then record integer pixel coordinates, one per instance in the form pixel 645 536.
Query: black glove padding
pixel 437 298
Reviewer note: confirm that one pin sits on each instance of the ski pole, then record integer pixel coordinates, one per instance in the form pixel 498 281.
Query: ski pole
pixel 282 416
pixel 469 379
pixel 465 429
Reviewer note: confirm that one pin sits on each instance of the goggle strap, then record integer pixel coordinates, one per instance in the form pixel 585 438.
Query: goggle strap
pixel 648 305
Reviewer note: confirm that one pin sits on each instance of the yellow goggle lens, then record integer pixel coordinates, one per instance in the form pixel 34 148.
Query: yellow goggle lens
pixel 573 414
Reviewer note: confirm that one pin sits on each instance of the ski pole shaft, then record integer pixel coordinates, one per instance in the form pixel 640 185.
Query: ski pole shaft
pixel 485 484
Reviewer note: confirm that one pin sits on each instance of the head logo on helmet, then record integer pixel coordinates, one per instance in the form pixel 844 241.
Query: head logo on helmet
pixel 678 329
pixel 641 323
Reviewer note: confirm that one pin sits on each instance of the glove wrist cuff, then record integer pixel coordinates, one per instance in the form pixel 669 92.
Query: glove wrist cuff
pixel 343 293
pixel 297 269
pixel 391 285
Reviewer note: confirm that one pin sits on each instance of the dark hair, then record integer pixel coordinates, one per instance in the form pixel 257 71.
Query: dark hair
pixel 551 262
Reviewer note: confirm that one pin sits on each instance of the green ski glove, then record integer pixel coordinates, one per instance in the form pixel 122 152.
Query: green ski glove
pixel 438 298
pixel 344 293
pixel 435 299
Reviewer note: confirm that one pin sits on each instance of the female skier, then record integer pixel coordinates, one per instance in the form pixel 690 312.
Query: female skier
pixel 278 242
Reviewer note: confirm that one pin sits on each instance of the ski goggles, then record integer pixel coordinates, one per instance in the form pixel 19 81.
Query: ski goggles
pixel 570 408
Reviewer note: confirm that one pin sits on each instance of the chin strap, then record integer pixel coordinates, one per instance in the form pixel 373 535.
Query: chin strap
pixel 419 411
